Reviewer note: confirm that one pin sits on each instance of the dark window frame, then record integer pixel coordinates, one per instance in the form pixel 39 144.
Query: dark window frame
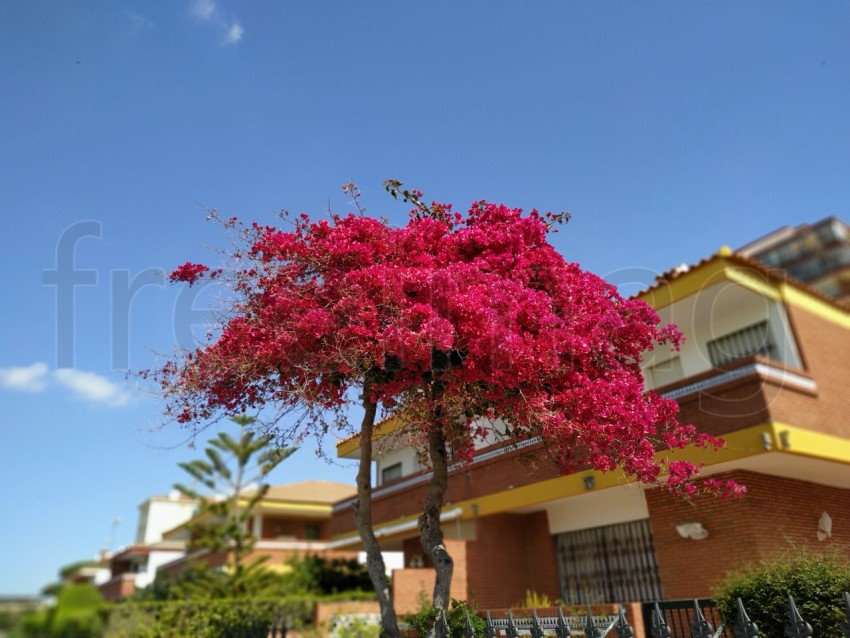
pixel 388 473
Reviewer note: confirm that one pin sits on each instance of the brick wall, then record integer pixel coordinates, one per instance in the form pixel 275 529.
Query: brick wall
pixel 778 515
pixel 514 469
pixel 512 553
pixel 118 587
pixel 282 526
pixel 825 348
pixel 410 583
pixel 750 400
pixel 724 408
pixel 410 587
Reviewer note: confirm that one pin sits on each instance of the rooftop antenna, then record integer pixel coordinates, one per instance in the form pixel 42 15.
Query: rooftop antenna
pixel 115 522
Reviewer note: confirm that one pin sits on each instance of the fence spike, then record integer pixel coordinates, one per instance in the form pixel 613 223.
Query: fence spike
pixel 468 630
pixel 658 627
pixel 622 627
pixel 700 628
pixel 744 627
pixel 489 630
pixel 796 627
pixel 511 631
pixel 591 630
pixel 845 624
pixel 536 631
pixel 561 628
pixel 442 626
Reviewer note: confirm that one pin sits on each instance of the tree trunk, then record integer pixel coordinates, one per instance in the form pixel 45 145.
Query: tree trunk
pixel 430 532
pixel 363 515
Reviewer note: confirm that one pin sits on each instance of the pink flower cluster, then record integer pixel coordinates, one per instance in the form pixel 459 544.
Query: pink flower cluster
pixel 188 273
pixel 516 332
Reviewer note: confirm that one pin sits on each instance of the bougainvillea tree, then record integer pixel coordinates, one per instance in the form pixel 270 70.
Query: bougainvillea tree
pixel 444 322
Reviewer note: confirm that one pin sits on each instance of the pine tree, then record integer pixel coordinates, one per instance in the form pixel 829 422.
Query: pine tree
pixel 226 499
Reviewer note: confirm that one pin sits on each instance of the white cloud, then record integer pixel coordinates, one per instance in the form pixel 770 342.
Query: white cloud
pixel 140 21
pixel 204 9
pixel 234 33
pixel 93 387
pixel 207 10
pixel 31 378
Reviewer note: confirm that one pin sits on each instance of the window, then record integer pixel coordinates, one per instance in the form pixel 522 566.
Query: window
pixel 311 532
pixel 665 372
pixel 390 473
pixel 832 231
pixel 754 339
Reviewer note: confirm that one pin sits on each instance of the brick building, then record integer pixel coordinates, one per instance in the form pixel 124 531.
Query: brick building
pixel 764 365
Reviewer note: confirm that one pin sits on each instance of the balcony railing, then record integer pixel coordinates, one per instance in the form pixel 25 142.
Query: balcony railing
pixel 762 367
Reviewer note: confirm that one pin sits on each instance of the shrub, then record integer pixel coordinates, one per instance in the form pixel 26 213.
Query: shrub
pixel 209 618
pixel 77 613
pixel 816 581
pixel 355 626
pixel 535 600
pixel 424 620
pixel 32 624
pixel 319 575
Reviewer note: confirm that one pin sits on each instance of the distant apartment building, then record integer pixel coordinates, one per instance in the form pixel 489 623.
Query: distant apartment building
pixel 817 254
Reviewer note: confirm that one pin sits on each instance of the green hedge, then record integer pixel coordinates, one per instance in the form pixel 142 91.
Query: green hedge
pixel 423 621
pixel 77 612
pixel 816 581
pixel 219 618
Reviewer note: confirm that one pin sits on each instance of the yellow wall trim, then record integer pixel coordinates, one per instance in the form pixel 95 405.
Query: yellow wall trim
pixel 813 305
pixel 293 508
pixel 741 444
pixel 804 442
pixel 698 278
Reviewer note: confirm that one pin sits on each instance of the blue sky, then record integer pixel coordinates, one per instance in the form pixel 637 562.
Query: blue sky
pixel 667 128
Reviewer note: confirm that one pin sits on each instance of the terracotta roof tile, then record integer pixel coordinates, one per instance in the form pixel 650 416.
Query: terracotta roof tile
pixel 357 434
pixel 772 274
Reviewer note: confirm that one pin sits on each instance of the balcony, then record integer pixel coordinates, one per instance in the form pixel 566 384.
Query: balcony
pixel 750 391
pixel 118 587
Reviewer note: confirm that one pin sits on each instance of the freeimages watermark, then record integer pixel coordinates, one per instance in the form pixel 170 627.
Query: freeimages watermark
pixel 124 289
pixel 707 318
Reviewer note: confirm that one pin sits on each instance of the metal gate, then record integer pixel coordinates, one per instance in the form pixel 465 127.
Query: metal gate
pixel 608 564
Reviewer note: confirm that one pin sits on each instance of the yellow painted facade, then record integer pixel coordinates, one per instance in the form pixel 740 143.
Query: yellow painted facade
pixel 742 444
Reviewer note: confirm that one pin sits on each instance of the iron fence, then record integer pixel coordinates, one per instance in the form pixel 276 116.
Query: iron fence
pixel 693 624
pixel 680 615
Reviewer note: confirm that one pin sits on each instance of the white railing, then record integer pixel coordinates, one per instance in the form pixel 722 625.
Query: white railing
pixel 762 369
